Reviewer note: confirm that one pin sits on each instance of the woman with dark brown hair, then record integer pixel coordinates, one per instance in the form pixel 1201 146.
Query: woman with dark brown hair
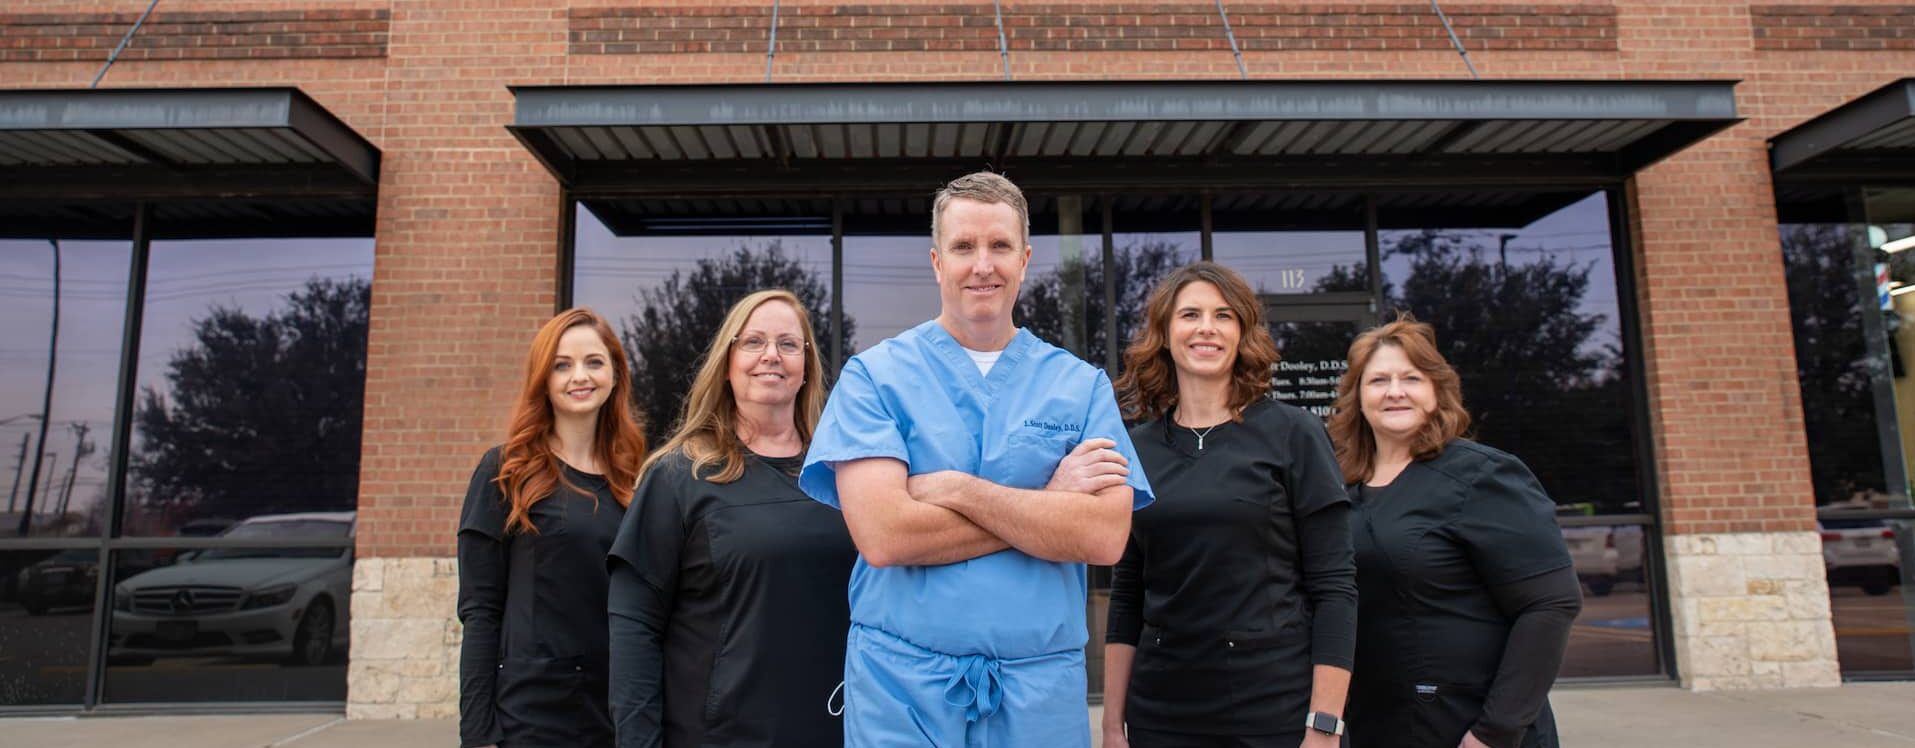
pixel 1468 591
pixel 1232 613
pixel 539 517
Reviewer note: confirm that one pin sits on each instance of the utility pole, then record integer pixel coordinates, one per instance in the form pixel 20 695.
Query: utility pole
pixel 46 396
pixel 19 470
pixel 81 449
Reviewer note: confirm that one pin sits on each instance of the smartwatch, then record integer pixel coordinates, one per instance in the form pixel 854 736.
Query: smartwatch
pixel 1323 722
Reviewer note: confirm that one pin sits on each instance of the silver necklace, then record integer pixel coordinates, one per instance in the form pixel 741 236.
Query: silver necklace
pixel 1201 434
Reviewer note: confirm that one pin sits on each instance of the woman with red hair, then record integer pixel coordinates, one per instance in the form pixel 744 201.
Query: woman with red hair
pixel 1468 591
pixel 539 518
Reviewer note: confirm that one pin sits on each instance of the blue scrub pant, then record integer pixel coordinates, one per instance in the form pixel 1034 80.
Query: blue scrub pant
pixel 900 694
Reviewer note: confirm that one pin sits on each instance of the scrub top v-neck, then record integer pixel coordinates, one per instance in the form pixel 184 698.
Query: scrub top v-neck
pixel 533 661
pixel 1214 589
pixel 735 594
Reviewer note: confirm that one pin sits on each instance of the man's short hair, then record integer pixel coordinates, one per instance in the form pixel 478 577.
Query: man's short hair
pixel 984 187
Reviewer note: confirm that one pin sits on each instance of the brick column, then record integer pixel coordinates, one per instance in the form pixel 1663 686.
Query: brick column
pixel 465 272
pixel 1750 603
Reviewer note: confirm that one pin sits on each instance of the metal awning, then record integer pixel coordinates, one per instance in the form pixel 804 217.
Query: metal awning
pixel 877 215
pixel 1094 135
pixel 120 144
pixel 1870 139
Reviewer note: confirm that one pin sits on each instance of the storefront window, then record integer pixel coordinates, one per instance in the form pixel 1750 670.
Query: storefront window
pixel 251 382
pixel 1525 301
pixel 666 279
pixel 59 487
pixel 1848 268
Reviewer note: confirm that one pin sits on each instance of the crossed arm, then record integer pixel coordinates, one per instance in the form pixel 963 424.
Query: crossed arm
pixel 897 519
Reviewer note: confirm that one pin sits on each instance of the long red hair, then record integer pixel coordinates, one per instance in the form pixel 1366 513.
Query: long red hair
pixel 528 470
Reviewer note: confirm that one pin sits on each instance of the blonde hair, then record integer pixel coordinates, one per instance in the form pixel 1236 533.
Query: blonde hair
pixel 984 187
pixel 708 429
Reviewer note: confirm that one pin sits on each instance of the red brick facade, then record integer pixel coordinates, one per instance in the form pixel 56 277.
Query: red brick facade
pixel 1085 27
pixel 1834 27
pixel 468 229
pixel 237 35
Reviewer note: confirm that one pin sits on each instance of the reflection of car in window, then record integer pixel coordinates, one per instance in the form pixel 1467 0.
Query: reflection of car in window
pixel 259 601
pixel 62 580
pixel 1860 553
pixel 1603 554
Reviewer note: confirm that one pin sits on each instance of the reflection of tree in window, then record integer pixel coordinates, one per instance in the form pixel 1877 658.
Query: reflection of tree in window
pixel 1832 361
pixel 1535 380
pixel 1044 306
pixel 666 338
pixel 260 415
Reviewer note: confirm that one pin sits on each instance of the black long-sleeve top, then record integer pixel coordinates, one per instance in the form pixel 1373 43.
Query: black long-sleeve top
pixel 532 662
pixel 1468 597
pixel 1239 579
pixel 728 610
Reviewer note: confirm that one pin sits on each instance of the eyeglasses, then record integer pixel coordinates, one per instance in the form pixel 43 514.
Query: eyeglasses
pixel 785 346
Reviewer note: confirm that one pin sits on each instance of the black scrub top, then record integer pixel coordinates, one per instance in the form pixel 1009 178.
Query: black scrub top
pixel 532 667
pixel 1238 579
pixel 729 610
pixel 1432 549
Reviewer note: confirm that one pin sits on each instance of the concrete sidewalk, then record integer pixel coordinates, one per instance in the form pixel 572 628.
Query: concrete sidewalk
pixel 1865 715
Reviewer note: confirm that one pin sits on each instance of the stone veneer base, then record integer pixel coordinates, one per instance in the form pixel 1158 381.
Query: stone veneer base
pixel 1751 610
pixel 405 639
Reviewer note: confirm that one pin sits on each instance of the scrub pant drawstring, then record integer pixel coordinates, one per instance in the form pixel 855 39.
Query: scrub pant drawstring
pixel 975 686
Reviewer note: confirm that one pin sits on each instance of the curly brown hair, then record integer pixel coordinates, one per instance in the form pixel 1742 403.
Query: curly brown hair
pixel 1148 387
pixel 1350 431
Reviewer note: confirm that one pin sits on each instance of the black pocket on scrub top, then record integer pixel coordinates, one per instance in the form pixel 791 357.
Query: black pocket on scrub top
pixel 1441 713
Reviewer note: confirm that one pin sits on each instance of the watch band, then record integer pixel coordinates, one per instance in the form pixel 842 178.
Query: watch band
pixel 1323 722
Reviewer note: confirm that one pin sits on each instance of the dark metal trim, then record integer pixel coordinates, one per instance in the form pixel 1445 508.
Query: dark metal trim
pixel 195 543
pixel 743 178
pixel 1826 513
pixel 568 250
pixel 1808 143
pixel 1628 309
pixel 133 182
pixel 122 110
pixel 1113 347
pixel 837 287
pixel 1206 228
pixel 1118 101
pixel 49 543
pixel 1607 520
pixel 217 707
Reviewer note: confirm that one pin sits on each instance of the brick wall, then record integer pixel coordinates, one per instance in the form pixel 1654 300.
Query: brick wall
pixel 227 35
pixel 1085 27
pixel 1834 27
pixel 468 222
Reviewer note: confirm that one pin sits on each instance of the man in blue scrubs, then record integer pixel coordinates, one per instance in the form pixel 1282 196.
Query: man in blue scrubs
pixel 979 469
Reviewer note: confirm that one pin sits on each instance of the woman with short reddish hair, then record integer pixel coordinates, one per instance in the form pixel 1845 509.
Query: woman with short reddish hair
pixel 539 517
pixel 1467 588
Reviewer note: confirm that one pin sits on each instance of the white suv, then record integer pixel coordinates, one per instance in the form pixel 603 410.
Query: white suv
pixel 1860 553
pixel 255 602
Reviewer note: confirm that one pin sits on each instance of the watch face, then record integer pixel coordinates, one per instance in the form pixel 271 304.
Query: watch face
pixel 1323 723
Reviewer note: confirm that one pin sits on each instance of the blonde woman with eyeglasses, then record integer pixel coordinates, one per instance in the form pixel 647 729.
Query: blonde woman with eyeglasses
pixel 728 610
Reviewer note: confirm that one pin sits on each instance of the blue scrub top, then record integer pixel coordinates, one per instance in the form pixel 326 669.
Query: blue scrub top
pixel 918 398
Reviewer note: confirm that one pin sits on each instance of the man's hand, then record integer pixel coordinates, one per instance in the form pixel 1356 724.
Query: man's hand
pixel 1093 466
